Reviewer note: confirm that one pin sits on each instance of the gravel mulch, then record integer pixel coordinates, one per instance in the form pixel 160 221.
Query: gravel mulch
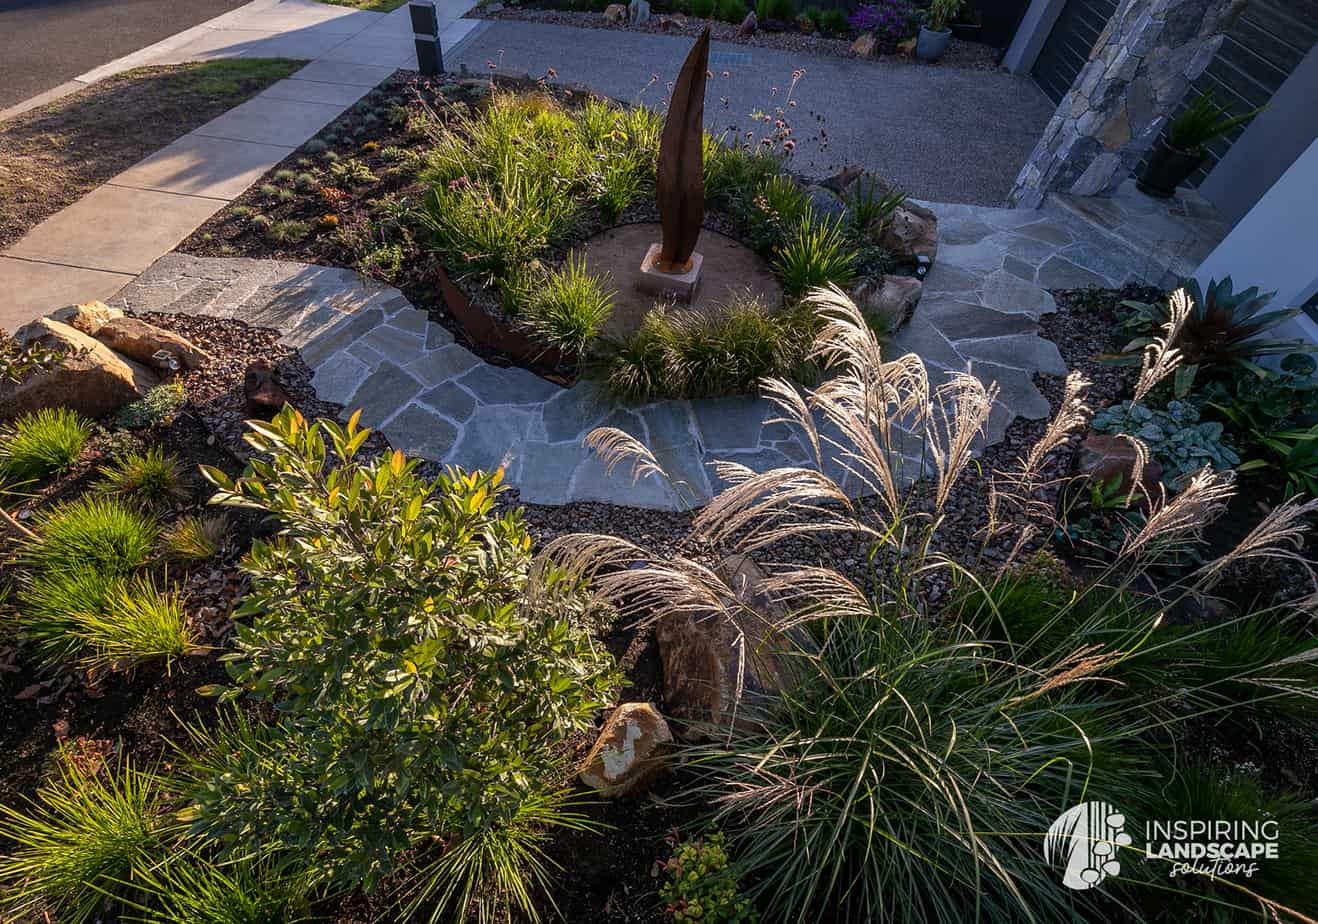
pixel 970 55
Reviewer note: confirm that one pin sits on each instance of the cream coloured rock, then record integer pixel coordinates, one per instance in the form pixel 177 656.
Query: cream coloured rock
pixel 631 750
pixel 145 342
pixel 888 300
pixel 87 317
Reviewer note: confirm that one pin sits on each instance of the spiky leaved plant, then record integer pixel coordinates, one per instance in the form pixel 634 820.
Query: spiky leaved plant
pixel 910 766
pixel 1218 328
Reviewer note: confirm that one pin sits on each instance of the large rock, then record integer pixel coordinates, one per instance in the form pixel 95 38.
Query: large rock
pixel 1110 461
pixel 865 46
pixel 638 11
pixel 153 346
pixel 92 379
pixel 911 234
pixel 749 26
pixel 716 666
pixel 265 396
pixel 631 750
pixel 673 23
pixel 87 317
pixel 615 13
pixel 889 299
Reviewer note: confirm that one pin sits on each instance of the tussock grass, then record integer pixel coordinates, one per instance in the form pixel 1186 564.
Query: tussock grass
pixel 151 477
pixel 41 444
pixel 95 533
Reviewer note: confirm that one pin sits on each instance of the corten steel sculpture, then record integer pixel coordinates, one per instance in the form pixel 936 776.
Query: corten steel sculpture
pixel 680 178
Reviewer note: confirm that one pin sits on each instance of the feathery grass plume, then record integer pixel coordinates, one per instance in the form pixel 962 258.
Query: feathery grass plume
pixel 1161 357
pixel 1179 522
pixel 1278 536
pixel 86 835
pixel 616 446
pixel 961 409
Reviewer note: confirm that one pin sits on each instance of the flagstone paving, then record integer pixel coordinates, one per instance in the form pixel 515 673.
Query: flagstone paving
pixel 371 349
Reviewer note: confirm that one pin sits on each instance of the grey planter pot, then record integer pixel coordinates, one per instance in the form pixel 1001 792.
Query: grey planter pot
pixel 932 45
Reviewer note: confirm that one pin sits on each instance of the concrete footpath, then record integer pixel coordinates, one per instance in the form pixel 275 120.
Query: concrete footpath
pixel 90 249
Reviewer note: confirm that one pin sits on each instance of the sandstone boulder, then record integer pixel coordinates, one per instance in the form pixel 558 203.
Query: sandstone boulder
pixel 749 26
pixel 631 750
pixel 888 300
pixel 907 48
pixel 615 13
pixel 911 234
pixel 1111 461
pixel 674 23
pixel 87 317
pixel 145 342
pixel 92 379
pixel 865 46
pixel 717 666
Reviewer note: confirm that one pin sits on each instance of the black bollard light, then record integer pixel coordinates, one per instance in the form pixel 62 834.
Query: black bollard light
pixel 425 31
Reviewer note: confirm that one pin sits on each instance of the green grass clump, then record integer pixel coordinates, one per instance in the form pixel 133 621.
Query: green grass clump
pixel 151 477
pixel 97 533
pixel 817 252
pixel 703 8
pixel 733 172
pixel 42 444
pixel 781 10
pixel 286 231
pixel 194 538
pixel 104 621
pixel 352 173
pixel 570 307
pixel 679 355
pixel 285 176
pixel 86 835
pixel 156 408
pixel 306 182
pixel 733 11
pixel 193 890
pixel 834 22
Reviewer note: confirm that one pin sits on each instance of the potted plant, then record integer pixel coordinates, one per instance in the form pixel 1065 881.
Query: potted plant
pixel 1180 149
pixel 934 33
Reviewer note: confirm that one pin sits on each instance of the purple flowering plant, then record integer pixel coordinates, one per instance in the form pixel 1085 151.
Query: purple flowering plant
pixel 889 20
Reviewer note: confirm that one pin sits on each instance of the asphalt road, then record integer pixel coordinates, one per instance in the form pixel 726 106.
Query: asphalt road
pixel 44 43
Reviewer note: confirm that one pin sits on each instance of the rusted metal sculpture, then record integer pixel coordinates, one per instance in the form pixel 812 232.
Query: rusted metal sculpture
pixel 680 179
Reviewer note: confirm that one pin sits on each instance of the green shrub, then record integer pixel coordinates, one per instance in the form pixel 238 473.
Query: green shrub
pixel 570 308
pixel 702 8
pixel 834 22
pixel 380 590
pixel 678 355
pixel 16 362
pixel 42 443
pixel 1175 437
pixel 97 533
pixel 352 173
pixel 733 11
pixel 87 834
pixel 701 886
pixel 150 477
pixel 157 408
pixel 194 538
pixel 816 253
pixel 286 231
pixel 780 10
pixel 190 889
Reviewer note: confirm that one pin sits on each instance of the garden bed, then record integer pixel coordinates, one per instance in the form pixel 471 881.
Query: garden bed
pixel 402 187
pixel 52 156
pixel 960 53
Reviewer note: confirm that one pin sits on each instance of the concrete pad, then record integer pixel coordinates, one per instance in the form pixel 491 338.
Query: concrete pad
pixel 358 75
pixel 116 229
pixel 312 91
pixel 198 166
pixel 398 52
pixel 271 121
pixel 215 44
pixel 288 44
pixel 33 289
pixel 328 20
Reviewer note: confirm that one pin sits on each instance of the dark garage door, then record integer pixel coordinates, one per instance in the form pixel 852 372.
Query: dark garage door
pixel 1068 45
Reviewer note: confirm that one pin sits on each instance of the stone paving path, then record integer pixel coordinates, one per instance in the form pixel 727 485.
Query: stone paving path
pixel 371 349
pixel 99 243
